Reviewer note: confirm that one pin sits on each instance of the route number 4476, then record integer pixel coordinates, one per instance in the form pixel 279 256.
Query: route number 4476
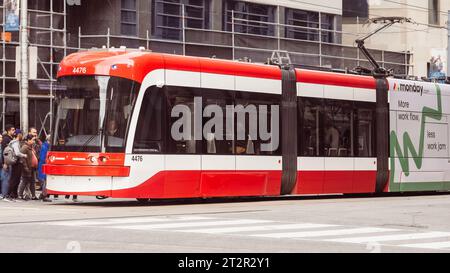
pixel 137 158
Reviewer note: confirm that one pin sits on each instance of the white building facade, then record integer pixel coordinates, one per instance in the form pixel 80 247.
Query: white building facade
pixel 426 39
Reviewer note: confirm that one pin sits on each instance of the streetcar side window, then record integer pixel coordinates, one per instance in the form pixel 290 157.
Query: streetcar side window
pixel 309 129
pixel 148 137
pixel 338 128
pixel 217 141
pixel 182 106
pixel 365 130
pixel 257 126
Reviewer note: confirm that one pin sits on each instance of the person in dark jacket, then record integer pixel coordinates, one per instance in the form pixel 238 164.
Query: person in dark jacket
pixel 28 164
pixel 10 130
pixel 16 169
pixel 6 170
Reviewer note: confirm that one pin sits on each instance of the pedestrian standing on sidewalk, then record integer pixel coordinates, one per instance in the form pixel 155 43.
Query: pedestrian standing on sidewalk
pixel 9 136
pixel 16 167
pixel 28 164
pixel 37 151
pixel 6 169
pixel 41 175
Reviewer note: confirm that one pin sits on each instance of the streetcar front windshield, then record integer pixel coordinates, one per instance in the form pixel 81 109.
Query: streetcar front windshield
pixel 93 113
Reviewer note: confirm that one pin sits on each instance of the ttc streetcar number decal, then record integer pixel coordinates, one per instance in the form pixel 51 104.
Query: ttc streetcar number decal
pixel 79 70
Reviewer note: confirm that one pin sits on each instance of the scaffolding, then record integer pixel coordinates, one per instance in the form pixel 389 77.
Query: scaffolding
pixel 47 33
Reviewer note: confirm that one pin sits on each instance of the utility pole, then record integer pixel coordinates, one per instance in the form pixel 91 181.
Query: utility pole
pixel 24 65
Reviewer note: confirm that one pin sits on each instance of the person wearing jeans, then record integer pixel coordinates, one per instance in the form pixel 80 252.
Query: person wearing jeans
pixel 5 177
pixel 16 171
pixel 41 175
pixel 28 164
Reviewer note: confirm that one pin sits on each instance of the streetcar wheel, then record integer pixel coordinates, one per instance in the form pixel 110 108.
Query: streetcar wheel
pixel 143 200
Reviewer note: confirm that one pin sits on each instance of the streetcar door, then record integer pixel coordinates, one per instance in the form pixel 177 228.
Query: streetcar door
pixel 145 158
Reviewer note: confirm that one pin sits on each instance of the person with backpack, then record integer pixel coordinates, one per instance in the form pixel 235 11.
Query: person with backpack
pixel 11 156
pixel 6 169
pixel 29 163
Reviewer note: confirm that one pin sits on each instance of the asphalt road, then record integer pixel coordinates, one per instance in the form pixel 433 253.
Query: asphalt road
pixel 291 224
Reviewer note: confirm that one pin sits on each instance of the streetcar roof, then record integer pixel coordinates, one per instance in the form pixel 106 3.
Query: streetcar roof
pixel 136 64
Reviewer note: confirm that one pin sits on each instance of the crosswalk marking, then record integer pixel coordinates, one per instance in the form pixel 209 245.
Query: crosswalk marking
pixel 398 237
pixel 272 229
pixel 129 221
pixel 194 224
pixel 323 233
pixel 435 245
pixel 258 228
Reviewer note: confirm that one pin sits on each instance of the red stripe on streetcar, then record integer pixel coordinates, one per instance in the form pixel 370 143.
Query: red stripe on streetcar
pixel 338 79
pixel 113 171
pixel 195 184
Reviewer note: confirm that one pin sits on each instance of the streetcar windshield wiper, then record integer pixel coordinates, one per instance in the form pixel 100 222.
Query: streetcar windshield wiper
pixel 89 140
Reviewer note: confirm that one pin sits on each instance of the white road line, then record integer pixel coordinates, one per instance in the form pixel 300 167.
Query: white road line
pixel 258 228
pixel 435 245
pixel 195 224
pixel 332 232
pixel 129 221
pixel 398 237
pixel 19 208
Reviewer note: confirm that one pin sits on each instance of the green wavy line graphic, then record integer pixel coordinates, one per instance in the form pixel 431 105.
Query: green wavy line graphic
pixel 408 146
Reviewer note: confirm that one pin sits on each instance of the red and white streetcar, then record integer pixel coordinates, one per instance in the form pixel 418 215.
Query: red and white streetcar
pixel 116 114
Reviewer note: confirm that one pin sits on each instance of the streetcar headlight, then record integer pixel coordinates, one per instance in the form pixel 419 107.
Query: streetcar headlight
pixel 93 159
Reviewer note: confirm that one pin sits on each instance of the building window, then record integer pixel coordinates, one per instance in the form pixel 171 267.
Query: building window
pixel 433 12
pixel 249 18
pixel 328 28
pixel 128 18
pixel 167 17
pixel 305 25
pixel 355 8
